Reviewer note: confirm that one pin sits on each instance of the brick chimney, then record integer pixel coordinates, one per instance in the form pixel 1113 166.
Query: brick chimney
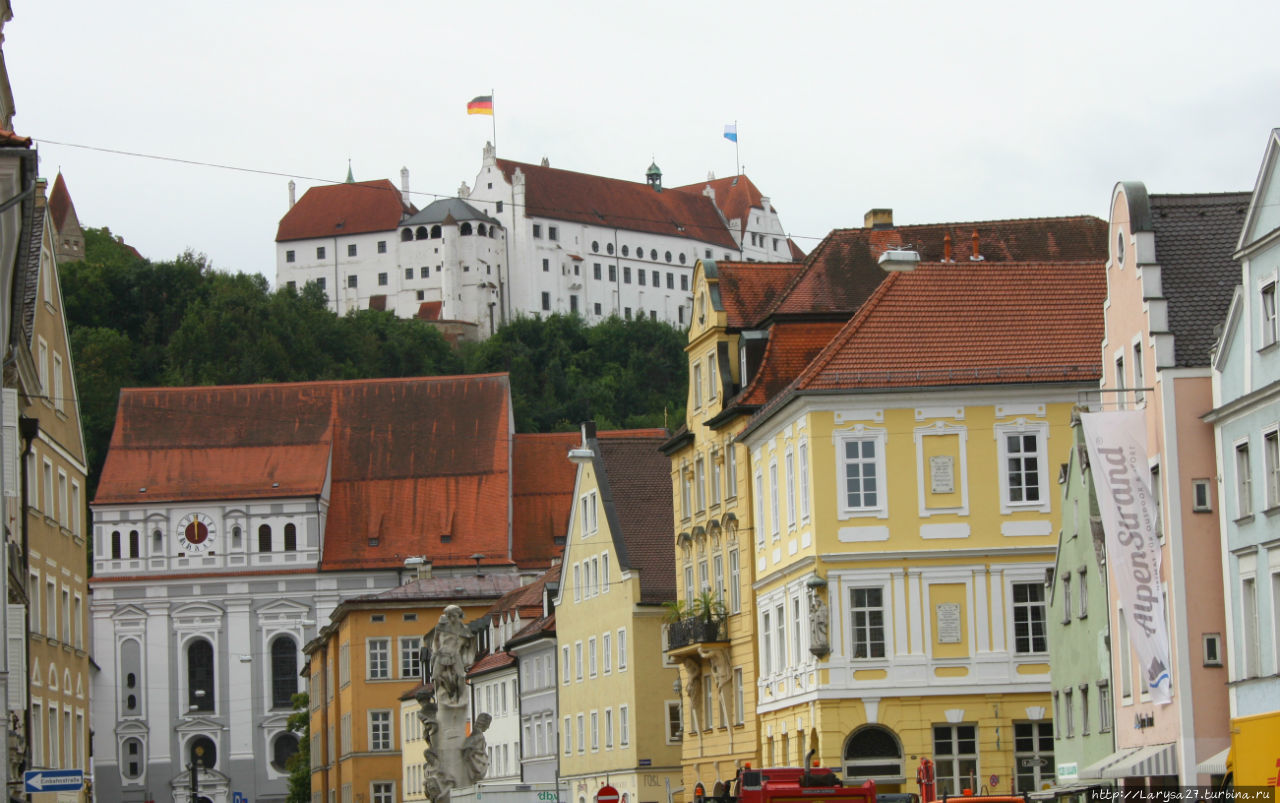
pixel 878 219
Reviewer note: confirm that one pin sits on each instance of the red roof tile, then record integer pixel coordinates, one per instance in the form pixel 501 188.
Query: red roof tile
pixel 735 195
pixel 491 662
pixel 542 495
pixel 334 209
pixel 749 289
pixel 792 346
pixel 416 466
pixel 970 324
pixel 430 310
pixel 60 202
pixel 628 205
pixel 8 139
pixel 842 272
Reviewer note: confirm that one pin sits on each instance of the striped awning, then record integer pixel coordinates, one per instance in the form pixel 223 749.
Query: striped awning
pixel 1094 770
pixel 1156 759
pixel 1215 764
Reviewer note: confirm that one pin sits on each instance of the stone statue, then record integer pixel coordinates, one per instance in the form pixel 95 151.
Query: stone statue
pixel 428 714
pixel 819 643
pixel 452 650
pixel 693 687
pixel 718 660
pixel 475 754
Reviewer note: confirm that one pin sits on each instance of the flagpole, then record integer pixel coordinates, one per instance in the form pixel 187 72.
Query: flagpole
pixel 494 119
pixel 736 156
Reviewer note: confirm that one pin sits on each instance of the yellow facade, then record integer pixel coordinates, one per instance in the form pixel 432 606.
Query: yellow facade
pixel 53 533
pixel 918 527
pixel 713 526
pixel 359 667
pixel 615 685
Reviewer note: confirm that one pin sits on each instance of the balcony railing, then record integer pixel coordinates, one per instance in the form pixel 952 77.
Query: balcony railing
pixel 695 630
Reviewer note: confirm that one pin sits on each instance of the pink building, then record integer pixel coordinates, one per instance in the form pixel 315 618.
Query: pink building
pixel 1170 277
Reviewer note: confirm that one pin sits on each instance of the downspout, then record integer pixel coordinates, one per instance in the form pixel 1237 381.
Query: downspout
pixel 29 430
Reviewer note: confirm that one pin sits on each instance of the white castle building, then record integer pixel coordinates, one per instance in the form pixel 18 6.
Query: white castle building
pixel 526 240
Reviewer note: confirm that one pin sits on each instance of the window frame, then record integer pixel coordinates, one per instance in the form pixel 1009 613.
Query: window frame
pixel 380 669
pixel 1022 427
pixel 878 437
pixel 376 721
pixel 869 626
pixel 1037 612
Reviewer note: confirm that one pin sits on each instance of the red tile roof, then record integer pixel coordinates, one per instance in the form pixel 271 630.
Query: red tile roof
pixel 491 662
pixel 541 497
pixel 749 289
pixel 60 202
pixel 430 310
pixel 735 195
pixel 970 324
pixel 8 139
pixel 337 209
pixel 842 272
pixel 792 346
pixel 416 466
pixel 629 205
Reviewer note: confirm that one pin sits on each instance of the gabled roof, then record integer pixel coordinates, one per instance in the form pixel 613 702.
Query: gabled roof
pixel 1195 238
pixel 60 204
pixel 541 496
pixel 627 205
pixel 736 196
pixel 842 272
pixel 543 627
pixel 527 599
pixel 491 663
pixel 749 289
pixel 635 492
pixel 337 209
pixel 416 467
pixel 969 324
pixel 792 346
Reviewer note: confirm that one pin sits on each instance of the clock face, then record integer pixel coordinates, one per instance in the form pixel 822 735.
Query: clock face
pixel 196 533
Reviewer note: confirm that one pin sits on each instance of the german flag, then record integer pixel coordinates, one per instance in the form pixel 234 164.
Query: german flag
pixel 482 104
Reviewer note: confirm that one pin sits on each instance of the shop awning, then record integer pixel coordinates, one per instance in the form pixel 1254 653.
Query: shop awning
pixel 1215 764
pixel 1094 770
pixel 1156 759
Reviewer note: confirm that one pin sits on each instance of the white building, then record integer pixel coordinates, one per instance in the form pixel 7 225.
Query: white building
pixel 526 240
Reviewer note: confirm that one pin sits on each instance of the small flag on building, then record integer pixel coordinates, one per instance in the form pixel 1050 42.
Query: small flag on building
pixel 482 104
pixel 731 132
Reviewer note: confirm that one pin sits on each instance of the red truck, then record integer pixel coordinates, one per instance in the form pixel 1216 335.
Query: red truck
pixel 788 785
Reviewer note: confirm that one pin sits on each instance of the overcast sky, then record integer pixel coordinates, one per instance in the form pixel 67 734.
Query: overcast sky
pixel 941 111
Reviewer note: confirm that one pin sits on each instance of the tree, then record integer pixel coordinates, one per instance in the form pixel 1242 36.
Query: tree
pixel 300 763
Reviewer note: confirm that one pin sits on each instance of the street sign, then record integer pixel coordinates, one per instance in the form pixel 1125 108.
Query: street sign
pixel 607 794
pixel 236 797
pixel 54 780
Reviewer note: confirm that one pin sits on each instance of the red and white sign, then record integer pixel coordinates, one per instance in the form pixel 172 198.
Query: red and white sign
pixel 607 794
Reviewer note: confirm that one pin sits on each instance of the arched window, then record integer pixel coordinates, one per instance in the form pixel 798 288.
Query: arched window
pixel 653 254
pixel 626 251
pixel 157 542
pixel 873 752
pixel 406 235
pixel 130 670
pixel 595 246
pixel 290 538
pixel 200 675
pixel 283 748
pixel 480 230
pixel 264 538
pixel 202 749
pixel 421 233
pixel 609 247
pixel 135 544
pixel 131 759
pixel 284 672
pixel 465 229
pixel 235 537
pixel 436 232
pixel 115 545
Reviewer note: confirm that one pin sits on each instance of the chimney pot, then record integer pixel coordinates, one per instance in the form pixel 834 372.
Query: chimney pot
pixel 946 247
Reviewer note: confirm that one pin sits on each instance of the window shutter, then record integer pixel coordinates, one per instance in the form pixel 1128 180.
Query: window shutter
pixel 9 442
pixel 17 649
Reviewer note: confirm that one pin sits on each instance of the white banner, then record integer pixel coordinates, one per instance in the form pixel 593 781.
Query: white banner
pixel 1117 445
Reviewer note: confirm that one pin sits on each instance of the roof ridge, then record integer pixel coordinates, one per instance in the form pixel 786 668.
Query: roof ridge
pixel 314 383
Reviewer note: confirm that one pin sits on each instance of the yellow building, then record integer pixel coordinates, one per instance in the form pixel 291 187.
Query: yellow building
pixel 361 664
pixel 714 635
pixel 52 532
pixel 619 714
pixel 905 521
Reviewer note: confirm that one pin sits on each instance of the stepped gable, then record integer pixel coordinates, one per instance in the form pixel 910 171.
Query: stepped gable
pixel 1196 236
pixel 541 496
pixel 357 207
pixel 626 205
pixel 843 272
pixel 414 466
pixel 736 196
pixel 969 324
pixel 748 290
pixel 638 495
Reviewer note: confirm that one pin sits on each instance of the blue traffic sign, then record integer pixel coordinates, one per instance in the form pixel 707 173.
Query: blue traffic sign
pixel 54 780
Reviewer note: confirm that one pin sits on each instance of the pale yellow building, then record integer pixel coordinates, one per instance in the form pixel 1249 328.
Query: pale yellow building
pixel 619 713
pixel 903 490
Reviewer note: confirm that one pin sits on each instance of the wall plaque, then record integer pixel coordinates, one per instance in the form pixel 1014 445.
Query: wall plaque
pixel 948 622
pixel 942 474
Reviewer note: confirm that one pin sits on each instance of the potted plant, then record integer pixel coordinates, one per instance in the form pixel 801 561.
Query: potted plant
pixel 709 612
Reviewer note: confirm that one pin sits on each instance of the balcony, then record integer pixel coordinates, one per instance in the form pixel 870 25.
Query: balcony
pixel 687 634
